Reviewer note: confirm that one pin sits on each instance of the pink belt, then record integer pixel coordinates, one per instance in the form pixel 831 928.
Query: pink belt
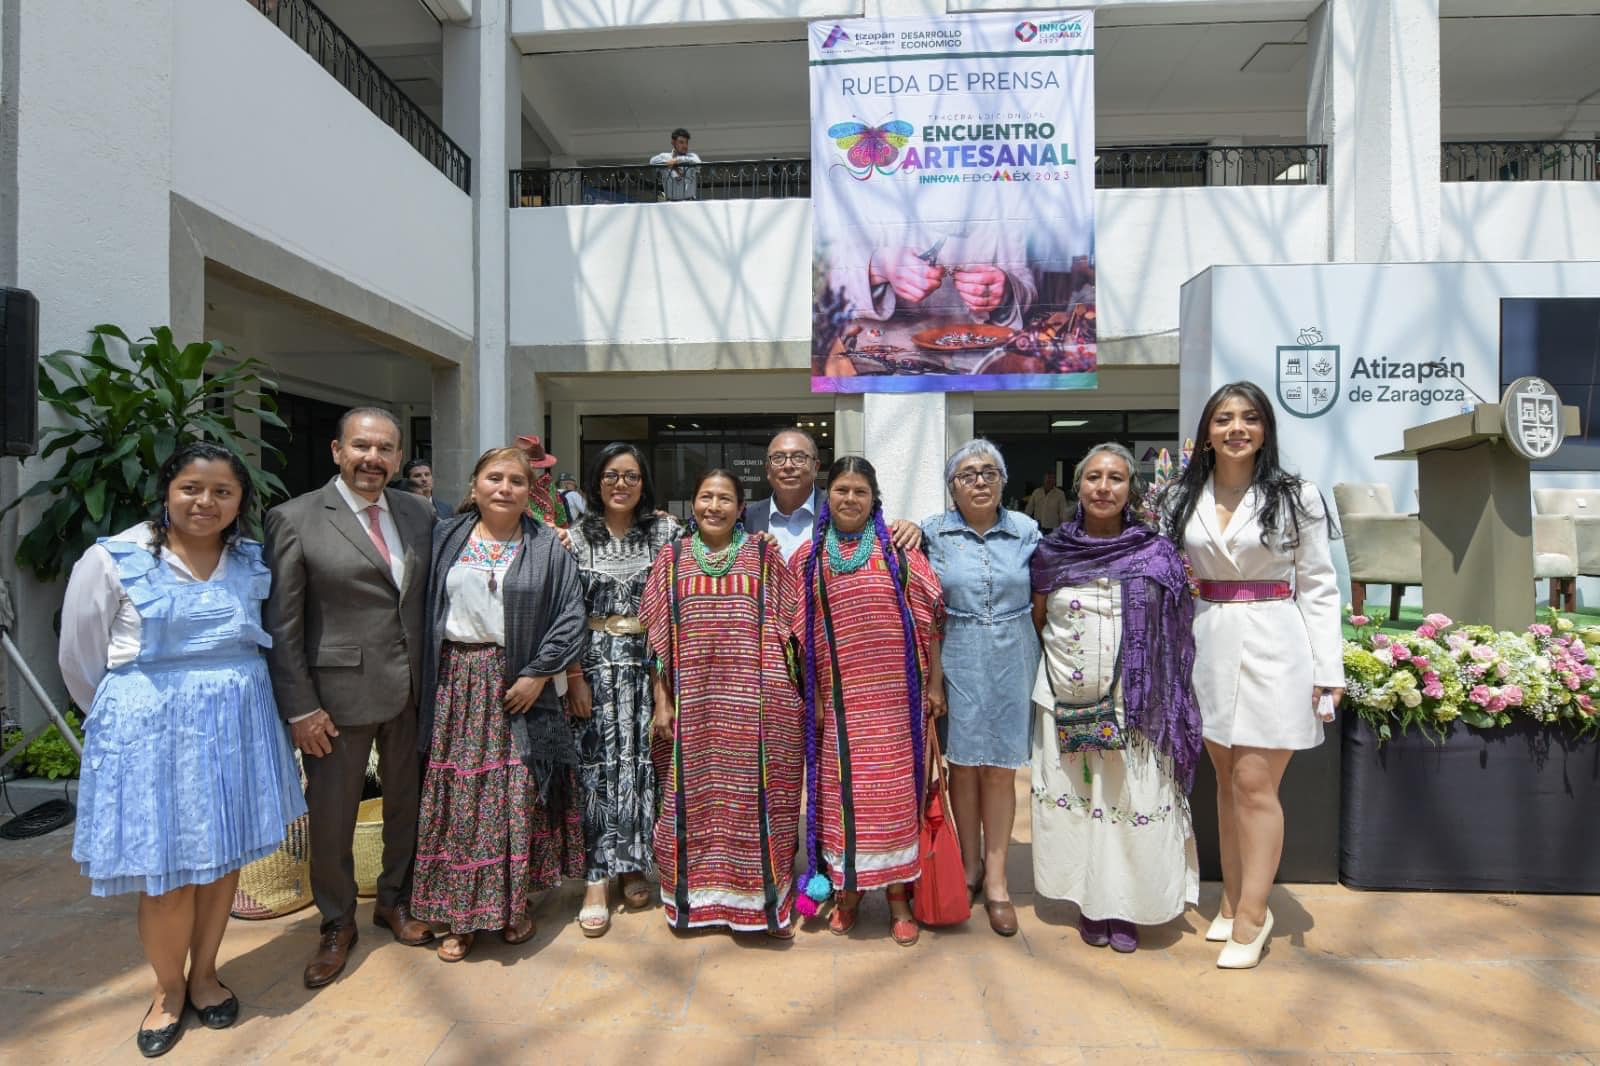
pixel 1244 591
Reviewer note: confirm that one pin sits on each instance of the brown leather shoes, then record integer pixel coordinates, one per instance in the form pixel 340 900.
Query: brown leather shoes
pixel 408 930
pixel 1002 916
pixel 332 953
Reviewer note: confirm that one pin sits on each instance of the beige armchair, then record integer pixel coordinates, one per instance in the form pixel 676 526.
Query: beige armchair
pixel 1584 507
pixel 1555 558
pixel 1383 548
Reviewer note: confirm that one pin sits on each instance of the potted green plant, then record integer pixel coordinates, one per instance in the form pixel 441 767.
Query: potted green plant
pixel 121 419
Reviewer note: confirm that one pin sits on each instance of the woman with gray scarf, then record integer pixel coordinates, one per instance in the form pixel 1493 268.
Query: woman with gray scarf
pixel 500 817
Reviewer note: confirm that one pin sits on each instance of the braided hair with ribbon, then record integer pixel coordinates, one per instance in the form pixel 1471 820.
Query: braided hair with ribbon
pixel 816 888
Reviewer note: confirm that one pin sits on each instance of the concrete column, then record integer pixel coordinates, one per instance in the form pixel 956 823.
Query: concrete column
pixel 905 436
pixel 482 113
pixel 566 442
pixel 85 218
pixel 1374 99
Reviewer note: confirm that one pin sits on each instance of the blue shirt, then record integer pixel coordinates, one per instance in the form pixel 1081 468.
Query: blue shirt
pixel 985 576
pixel 792 530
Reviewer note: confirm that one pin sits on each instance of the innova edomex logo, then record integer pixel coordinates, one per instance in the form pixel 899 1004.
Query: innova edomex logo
pixel 1025 31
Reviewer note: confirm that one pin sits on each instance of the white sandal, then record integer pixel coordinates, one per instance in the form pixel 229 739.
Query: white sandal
pixel 1237 956
pixel 1221 930
pixel 598 912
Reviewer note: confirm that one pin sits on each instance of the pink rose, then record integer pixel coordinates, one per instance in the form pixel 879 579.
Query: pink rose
pixel 1496 705
pixel 1438 621
pixel 1480 695
pixel 1573 683
pixel 1379 640
pixel 1427 631
pixel 1513 695
pixel 1420 662
pixel 1359 620
pixel 1585 704
pixel 1482 652
pixel 1401 653
pixel 1433 690
pixel 1539 629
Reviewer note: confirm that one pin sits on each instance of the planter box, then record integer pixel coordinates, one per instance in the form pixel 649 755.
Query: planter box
pixel 1310 796
pixel 1486 810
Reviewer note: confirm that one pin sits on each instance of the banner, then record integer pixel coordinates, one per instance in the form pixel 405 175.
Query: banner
pixel 952 187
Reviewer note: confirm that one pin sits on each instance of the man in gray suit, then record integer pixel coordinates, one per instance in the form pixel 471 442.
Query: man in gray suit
pixel 347 617
pixel 790 513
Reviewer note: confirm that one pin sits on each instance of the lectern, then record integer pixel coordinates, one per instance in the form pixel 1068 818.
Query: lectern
pixel 1476 508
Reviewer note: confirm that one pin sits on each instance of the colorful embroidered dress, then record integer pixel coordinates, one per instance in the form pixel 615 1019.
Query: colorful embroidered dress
pixel 867 804
pixel 730 812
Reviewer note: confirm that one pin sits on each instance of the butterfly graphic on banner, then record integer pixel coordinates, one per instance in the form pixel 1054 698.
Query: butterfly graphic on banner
pixel 868 148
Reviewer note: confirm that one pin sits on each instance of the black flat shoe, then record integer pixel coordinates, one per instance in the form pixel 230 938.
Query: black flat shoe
pixel 154 1043
pixel 221 1015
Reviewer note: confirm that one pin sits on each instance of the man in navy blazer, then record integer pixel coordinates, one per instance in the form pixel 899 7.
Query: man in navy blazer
pixel 790 513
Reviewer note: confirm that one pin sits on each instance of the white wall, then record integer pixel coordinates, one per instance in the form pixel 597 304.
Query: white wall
pixel 1527 220
pixel 739 270
pixel 726 270
pixel 1148 242
pixel 267 139
pixel 564 16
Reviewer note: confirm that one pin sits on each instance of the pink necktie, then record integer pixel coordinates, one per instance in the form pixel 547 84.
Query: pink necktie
pixel 376 533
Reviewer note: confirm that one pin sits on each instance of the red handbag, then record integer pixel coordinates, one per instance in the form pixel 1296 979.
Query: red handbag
pixel 939 896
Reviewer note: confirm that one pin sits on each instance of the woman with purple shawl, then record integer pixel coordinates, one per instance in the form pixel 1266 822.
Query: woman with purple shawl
pixel 1119 731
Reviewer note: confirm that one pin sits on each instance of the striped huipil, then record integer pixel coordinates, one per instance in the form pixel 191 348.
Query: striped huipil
pixel 726 835
pixel 867 803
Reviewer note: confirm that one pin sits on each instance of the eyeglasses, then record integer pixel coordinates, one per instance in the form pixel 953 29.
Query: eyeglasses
pixel 777 459
pixel 627 477
pixel 988 475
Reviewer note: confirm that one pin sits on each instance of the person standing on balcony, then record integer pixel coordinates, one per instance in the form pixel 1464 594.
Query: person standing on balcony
pixel 420 473
pixel 347 617
pixel 790 513
pixel 1269 664
pixel 187 773
pixel 680 177
pixel 1048 504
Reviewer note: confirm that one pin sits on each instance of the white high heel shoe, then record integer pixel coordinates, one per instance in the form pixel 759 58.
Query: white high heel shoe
pixel 1221 929
pixel 1237 956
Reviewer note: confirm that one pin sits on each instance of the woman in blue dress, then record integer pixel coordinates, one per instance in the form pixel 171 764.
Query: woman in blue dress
pixel 981 553
pixel 187 773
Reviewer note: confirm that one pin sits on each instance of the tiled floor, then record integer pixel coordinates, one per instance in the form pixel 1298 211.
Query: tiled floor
pixel 1349 976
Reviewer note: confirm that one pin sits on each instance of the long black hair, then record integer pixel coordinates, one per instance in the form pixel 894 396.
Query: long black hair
pixel 593 522
pixel 180 460
pixel 1282 509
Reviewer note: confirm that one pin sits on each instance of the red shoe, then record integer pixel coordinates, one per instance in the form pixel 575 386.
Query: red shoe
pixel 905 931
pixel 843 918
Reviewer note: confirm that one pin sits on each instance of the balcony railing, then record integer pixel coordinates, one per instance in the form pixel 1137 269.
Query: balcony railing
pixel 763 179
pixel 1138 167
pixel 1520 161
pixel 1163 166
pixel 305 24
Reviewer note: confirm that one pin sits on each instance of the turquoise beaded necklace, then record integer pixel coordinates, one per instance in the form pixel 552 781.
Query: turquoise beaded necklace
pixel 858 556
pixel 716 563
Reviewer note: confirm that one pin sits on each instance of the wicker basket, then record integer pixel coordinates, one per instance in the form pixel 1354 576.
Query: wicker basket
pixel 368 846
pixel 279 883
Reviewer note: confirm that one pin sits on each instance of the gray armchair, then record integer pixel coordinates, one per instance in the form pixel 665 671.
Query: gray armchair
pixel 1383 548
pixel 1584 507
pixel 1555 557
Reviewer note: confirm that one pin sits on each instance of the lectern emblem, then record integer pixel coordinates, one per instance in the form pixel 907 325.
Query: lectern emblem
pixel 1308 375
pixel 1532 418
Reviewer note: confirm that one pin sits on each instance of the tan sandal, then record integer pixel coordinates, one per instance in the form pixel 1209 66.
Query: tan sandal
pixel 635 892
pixel 843 918
pixel 595 920
pixel 520 932
pixel 455 946
pixel 905 931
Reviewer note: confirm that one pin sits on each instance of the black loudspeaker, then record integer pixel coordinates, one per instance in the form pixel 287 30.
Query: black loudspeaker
pixel 19 372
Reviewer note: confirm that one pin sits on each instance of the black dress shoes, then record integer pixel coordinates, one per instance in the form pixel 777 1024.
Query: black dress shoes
pixel 220 1015
pixel 154 1043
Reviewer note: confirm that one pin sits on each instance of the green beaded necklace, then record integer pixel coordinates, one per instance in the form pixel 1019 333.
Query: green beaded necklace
pixel 717 563
pixel 858 556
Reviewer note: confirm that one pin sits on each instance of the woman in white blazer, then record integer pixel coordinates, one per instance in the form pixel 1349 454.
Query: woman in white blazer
pixel 1268 647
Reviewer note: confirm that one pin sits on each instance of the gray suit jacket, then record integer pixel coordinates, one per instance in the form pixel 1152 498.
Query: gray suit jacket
pixel 344 638
pixel 758 515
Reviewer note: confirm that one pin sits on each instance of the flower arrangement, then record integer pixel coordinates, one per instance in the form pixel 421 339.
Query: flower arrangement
pixel 1441 672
